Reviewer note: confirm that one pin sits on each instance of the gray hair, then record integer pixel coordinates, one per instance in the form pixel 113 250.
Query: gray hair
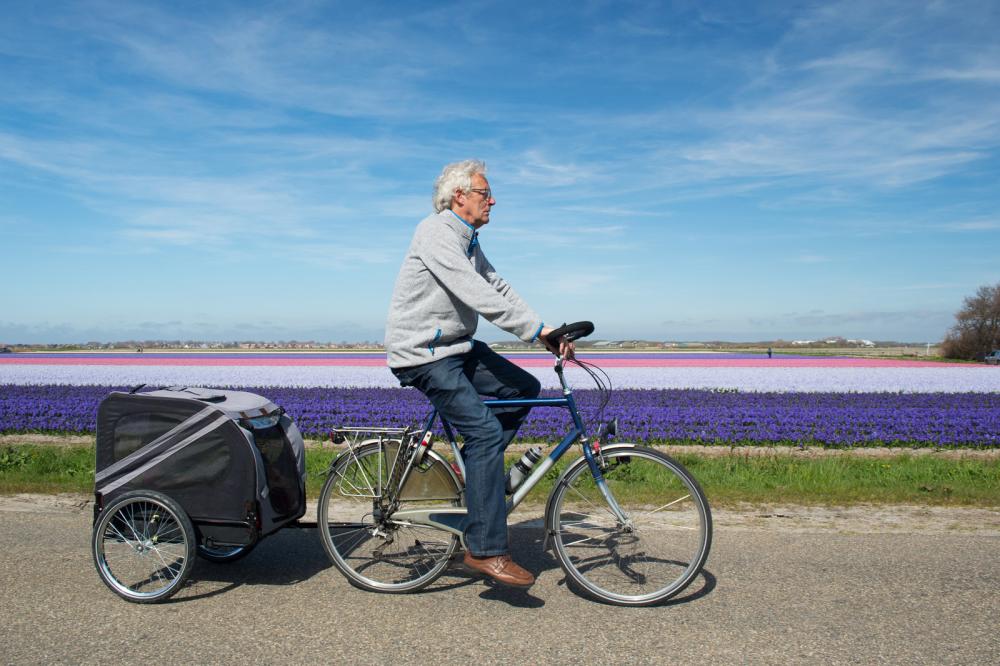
pixel 455 176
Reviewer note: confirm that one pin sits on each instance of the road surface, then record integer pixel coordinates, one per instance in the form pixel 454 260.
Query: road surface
pixel 782 585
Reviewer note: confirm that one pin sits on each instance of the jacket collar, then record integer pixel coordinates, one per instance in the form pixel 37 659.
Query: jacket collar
pixel 465 230
pixel 457 223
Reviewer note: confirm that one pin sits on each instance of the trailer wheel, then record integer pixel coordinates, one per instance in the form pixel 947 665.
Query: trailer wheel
pixel 223 554
pixel 144 546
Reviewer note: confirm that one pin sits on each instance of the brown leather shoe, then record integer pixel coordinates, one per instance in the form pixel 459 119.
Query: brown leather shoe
pixel 500 568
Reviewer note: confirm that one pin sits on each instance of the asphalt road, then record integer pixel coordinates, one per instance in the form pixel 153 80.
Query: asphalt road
pixel 769 595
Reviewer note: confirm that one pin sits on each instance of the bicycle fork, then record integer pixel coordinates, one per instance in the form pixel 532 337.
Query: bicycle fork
pixel 602 485
pixel 623 520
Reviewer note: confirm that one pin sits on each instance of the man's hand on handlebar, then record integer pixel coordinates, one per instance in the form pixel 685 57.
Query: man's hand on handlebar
pixel 565 348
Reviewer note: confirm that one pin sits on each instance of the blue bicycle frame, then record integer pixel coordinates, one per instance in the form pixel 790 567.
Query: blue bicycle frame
pixel 453 519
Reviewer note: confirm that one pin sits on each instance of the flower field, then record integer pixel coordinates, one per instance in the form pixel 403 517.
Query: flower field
pixel 698 398
pixel 650 415
pixel 744 372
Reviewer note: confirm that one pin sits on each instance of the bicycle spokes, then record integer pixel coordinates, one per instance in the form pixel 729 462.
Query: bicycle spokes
pixel 647 548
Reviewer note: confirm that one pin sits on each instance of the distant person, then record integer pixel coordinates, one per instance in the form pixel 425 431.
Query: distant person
pixel 445 283
pixel 769 352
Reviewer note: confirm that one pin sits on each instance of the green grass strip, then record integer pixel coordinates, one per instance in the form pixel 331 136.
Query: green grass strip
pixel 29 468
pixel 726 479
pixel 847 480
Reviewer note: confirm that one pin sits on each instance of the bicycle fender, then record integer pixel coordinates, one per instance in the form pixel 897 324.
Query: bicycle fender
pixel 430 455
pixel 549 517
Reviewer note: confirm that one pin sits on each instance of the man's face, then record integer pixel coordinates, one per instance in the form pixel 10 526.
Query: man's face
pixel 475 205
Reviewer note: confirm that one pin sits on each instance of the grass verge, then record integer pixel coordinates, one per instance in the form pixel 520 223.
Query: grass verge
pixel 727 479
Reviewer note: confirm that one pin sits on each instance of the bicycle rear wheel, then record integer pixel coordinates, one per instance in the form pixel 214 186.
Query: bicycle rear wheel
pixel 655 552
pixel 375 552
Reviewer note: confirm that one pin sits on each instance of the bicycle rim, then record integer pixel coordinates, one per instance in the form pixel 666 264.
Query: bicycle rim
pixel 381 556
pixel 651 556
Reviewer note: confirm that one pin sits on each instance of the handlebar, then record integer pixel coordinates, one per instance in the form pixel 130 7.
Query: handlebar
pixel 571 332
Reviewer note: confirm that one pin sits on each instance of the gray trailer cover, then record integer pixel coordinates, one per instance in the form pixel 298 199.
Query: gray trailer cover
pixel 229 458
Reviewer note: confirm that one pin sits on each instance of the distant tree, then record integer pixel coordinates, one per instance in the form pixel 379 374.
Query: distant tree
pixel 977 326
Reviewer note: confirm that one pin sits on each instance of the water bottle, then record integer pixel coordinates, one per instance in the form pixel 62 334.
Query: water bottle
pixel 519 471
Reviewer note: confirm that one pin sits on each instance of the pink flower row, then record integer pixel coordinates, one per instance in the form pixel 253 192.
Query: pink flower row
pixel 530 362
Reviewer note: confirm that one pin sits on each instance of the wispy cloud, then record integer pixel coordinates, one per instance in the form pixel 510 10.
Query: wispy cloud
pixel 611 211
pixel 834 319
pixel 873 59
pixel 554 235
pixel 535 168
pixel 971 225
pixel 925 286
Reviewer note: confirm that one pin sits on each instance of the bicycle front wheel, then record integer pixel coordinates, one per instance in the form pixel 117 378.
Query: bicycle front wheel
pixel 374 552
pixel 648 551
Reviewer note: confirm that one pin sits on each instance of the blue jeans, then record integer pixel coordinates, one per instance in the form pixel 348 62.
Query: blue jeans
pixel 454 385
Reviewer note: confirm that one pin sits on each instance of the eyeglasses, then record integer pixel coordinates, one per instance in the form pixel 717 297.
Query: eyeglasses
pixel 486 193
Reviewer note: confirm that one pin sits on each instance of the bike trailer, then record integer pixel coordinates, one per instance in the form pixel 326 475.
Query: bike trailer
pixel 233 461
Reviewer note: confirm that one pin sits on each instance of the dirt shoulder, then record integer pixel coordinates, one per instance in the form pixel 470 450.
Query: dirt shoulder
pixel 795 451
pixel 882 519
pixel 48 440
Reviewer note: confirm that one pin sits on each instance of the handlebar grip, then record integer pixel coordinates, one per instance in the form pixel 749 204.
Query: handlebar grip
pixel 571 332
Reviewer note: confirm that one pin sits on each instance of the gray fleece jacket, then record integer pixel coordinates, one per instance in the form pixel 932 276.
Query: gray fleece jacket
pixel 445 283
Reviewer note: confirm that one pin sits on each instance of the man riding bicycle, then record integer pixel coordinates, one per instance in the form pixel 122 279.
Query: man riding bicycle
pixel 443 286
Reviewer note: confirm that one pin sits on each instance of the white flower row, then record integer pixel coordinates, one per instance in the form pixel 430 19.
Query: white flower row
pixel 918 379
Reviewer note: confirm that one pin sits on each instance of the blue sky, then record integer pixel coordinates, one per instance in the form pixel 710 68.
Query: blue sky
pixel 738 171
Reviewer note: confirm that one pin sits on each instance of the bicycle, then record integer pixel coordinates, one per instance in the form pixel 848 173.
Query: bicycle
pixel 629 524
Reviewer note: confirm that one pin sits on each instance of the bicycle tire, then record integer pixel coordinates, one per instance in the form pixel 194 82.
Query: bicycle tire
pixel 223 554
pixel 661 548
pixel 381 556
pixel 143 546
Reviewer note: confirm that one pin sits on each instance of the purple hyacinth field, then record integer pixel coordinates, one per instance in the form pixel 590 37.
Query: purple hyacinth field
pixel 649 415
pixel 710 398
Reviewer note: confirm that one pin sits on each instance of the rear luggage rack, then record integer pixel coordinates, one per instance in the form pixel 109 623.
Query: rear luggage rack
pixel 354 437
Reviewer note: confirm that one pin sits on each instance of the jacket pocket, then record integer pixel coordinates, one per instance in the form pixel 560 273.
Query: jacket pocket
pixel 433 343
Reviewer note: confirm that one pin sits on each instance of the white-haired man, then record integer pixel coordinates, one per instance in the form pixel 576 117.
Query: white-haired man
pixel 443 287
